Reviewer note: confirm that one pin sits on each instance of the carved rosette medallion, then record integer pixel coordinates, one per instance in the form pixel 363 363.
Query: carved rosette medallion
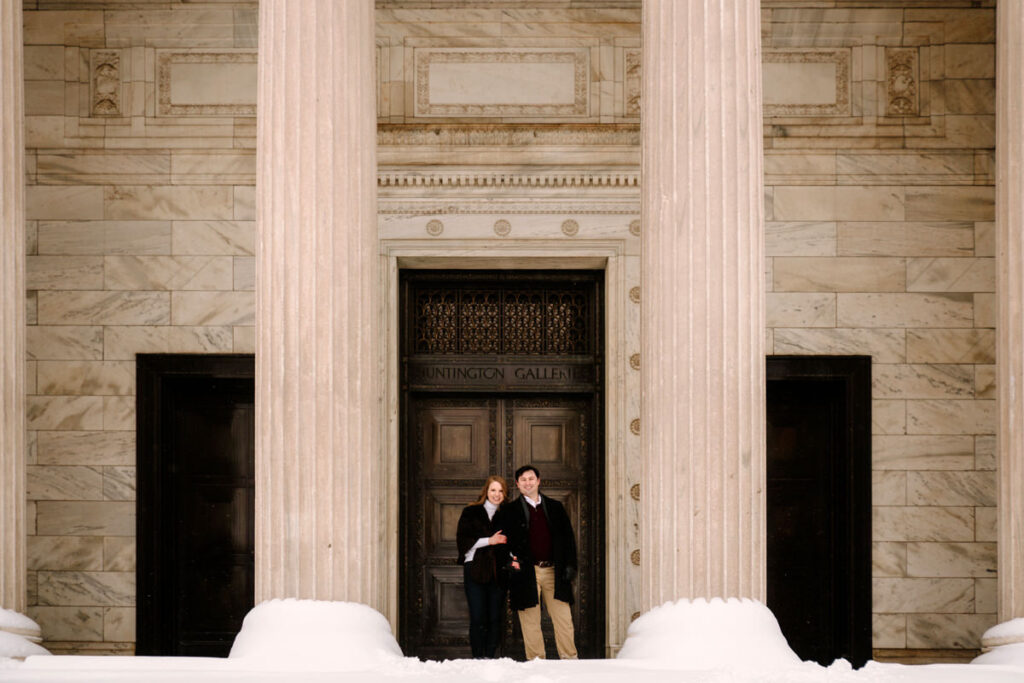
pixel 634 295
pixel 570 227
pixel 634 492
pixel 634 557
pixel 105 77
pixel 435 227
pixel 634 361
pixel 901 75
pixel 634 227
pixel 634 426
pixel 502 227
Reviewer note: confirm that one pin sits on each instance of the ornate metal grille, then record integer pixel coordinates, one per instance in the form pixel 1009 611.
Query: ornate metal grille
pixel 515 321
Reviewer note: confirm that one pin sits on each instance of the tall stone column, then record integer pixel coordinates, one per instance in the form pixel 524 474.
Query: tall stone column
pixel 1010 288
pixel 12 310
pixel 702 302
pixel 319 513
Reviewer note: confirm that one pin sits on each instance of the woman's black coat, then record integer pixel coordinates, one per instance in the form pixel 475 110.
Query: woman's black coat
pixel 513 519
pixel 474 525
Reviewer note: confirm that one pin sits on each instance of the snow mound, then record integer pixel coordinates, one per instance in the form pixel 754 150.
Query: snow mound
pixel 1006 633
pixel 1004 655
pixel 13 645
pixel 702 635
pixel 1003 644
pixel 314 635
pixel 19 624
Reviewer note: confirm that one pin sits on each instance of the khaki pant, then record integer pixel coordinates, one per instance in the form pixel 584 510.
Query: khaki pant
pixel 561 618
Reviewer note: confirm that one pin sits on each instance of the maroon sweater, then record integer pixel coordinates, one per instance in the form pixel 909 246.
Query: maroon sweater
pixel 540 535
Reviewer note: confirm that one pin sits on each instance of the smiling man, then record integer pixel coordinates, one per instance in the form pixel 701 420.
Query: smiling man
pixel 543 546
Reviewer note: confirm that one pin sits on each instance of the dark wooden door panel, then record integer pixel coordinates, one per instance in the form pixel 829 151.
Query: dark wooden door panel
pixel 454 442
pixel 196 502
pixel 548 437
pixel 818 505
pixel 552 433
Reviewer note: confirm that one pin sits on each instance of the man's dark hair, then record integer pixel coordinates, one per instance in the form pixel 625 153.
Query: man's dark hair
pixel 526 468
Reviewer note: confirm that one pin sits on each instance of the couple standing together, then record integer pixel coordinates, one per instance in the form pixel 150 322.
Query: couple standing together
pixel 530 541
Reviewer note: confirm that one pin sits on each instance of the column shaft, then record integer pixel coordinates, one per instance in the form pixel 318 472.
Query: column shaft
pixel 12 310
pixel 1010 288
pixel 702 310
pixel 319 510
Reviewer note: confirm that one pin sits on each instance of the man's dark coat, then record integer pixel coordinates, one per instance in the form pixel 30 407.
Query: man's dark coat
pixel 514 521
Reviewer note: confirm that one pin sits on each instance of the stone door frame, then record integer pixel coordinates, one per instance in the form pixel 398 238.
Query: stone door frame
pixel 618 257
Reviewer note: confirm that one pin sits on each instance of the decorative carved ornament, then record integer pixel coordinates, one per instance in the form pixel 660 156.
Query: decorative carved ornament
pixel 632 82
pixel 533 322
pixel 901 81
pixel 402 207
pixel 474 178
pixel 517 135
pixel 105 72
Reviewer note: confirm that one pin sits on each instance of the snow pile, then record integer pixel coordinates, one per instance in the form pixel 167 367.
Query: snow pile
pixel 702 635
pixel 314 635
pixel 1003 644
pixel 12 645
pixel 19 635
pixel 19 624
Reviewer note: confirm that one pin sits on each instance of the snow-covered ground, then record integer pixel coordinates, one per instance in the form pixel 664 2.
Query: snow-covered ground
pixel 685 642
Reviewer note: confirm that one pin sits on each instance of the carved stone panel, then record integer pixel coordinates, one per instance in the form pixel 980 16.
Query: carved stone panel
pixel 901 81
pixel 806 82
pixel 536 82
pixel 632 95
pixel 206 83
pixel 105 83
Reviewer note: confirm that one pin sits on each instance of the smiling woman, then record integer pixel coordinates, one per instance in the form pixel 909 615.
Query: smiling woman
pixel 483 556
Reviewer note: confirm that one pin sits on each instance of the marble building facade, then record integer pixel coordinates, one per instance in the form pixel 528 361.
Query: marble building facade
pixel 879 239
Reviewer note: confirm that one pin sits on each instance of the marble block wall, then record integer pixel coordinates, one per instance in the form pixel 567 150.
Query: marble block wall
pixel 140 125
pixel 879 147
pixel 141 169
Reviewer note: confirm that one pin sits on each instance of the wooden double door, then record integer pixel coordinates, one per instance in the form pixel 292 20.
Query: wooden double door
pixel 499 369
pixel 455 444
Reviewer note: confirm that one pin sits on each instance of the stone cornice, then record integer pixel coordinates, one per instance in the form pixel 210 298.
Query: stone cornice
pixel 508 178
pixel 508 135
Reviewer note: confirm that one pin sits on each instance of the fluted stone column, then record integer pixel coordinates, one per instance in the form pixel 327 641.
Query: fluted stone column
pixel 319 510
pixel 1010 288
pixel 12 311
pixel 702 309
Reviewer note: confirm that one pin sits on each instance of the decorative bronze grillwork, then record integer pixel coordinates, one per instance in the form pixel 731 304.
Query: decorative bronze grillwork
pixel 514 321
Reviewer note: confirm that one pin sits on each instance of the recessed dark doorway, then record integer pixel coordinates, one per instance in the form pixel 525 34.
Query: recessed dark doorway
pixel 195 504
pixel 498 369
pixel 819 504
